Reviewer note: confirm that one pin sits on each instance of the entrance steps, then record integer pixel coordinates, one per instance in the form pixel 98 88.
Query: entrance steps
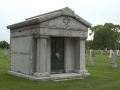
pixel 66 76
pixel 53 77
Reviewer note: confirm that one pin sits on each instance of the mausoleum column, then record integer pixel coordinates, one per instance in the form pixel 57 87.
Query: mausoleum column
pixel 41 63
pixel 80 56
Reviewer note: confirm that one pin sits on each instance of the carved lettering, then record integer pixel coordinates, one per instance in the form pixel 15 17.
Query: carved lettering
pixel 65 33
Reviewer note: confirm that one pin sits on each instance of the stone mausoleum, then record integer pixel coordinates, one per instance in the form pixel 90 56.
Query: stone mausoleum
pixel 50 46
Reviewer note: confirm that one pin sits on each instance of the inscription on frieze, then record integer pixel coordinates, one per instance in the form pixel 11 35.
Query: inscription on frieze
pixel 65 33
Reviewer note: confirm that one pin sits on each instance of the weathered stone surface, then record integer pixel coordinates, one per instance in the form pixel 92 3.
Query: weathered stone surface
pixel 31 46
pixel 54 77
pixel 69 55
pixel 113 60
pixel 44 74
pixel 6 52
pixel 91 63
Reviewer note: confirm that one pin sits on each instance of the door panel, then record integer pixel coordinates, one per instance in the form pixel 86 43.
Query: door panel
pixel 57 55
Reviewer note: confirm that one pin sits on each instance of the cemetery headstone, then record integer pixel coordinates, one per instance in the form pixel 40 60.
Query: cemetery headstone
pixel 113 61
pixel 117 52
pixel 91 63
pixel 88 51
pixel 5 52
pixel 106 51
pixel 93 53
pixel 101 52
pixel 110 53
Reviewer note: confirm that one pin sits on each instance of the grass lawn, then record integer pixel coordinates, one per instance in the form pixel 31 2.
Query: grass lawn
pixel 102 77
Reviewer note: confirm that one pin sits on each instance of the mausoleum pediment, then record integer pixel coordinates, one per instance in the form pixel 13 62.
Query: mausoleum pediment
pixel 64 22
pixel 62 18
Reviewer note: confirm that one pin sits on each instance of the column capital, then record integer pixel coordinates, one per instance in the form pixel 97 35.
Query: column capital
pixel 39 36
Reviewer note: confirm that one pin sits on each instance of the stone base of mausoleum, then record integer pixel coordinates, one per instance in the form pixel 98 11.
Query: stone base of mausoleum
pixel 53 77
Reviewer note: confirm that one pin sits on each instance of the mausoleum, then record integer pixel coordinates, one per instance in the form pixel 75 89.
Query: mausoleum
pixel 50 46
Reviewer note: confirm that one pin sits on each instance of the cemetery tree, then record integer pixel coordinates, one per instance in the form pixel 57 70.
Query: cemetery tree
pixel 89 43
pixel 106 35
pixel 4 44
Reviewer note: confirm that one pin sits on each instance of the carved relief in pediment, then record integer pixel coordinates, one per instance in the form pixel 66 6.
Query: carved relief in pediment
pixel 64 22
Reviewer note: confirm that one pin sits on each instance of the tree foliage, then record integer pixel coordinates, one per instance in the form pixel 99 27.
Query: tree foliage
pixel 89 43
pixel 4 44
pixel 106 35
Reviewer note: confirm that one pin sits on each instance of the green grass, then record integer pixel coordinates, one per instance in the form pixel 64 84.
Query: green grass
pixel 102 77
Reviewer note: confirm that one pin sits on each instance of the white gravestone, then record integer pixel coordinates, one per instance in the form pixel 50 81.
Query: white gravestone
pixel 117 51
pixel 113 62
pixel 110 53
pixel 106 51
pixel 101 52
pixel 93 53
pixel 5 53
pixel 91 63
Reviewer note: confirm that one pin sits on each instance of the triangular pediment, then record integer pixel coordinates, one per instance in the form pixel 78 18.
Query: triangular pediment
pixel 64 22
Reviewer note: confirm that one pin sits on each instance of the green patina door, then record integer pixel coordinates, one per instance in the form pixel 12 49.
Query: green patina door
pixel 57 55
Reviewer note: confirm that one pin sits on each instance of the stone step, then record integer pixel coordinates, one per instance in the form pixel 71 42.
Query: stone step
pixel 66 76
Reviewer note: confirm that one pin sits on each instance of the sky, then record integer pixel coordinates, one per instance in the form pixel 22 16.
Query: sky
pixel 94 11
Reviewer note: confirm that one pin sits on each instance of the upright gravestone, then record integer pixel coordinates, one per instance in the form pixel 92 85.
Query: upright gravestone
pixel 5 52
pixel 106 51
pixel 101 52
pixel 115 52
pixel 110 53
pixel 91 63
pixel 119 53
pixel 113 62
pixel 93 53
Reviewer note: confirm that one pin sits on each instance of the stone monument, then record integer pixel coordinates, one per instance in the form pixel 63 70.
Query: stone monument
pixel 49 46
pixel 117 52
pixel 5 52
pixel 93 53
pixel 113 60
pixel 91 63
pixel 110 53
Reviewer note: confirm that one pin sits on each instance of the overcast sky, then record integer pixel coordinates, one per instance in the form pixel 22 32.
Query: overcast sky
pixel 94 11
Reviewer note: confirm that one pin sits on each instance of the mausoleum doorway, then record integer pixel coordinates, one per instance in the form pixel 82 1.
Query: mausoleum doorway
pixel 57 55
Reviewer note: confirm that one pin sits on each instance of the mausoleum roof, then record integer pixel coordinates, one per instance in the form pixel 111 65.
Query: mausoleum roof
pixel 47 16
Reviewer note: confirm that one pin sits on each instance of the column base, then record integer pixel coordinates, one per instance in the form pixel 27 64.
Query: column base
pixel 44 74
pixel 91 63
pixel 83 72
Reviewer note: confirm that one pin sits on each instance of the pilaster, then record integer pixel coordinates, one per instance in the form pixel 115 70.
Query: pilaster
pixel 80 56
pixel 41 63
